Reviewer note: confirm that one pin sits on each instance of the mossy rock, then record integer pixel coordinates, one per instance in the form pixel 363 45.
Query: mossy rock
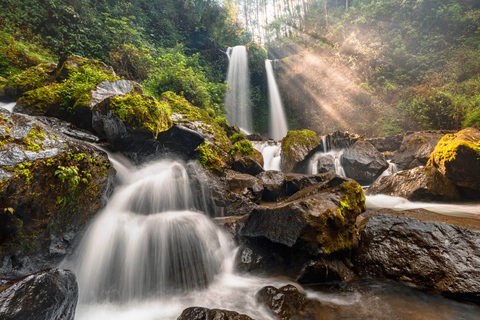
pixel 71 64
pixel 3 84
pixel 30 79
pixel 457 156
pixel 50 187
pixel 295 146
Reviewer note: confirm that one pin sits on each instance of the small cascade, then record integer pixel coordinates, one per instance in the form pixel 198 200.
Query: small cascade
pixel 271 153
pixel 324 144
pixel 8 105
pixel 338 164
pixel 332 161
pixel 278 122
pixel 392 169
pixel 237 99
pixel 148 242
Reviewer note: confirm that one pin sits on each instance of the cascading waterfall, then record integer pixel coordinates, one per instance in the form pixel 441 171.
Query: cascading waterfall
pixel 278 122
pixel 237 99
pixel 8 105
pixel 336 155
pixel 147 242
pixel 271 153
pixel 392 169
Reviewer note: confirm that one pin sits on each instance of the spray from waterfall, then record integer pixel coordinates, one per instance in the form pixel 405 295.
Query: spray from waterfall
pixel 278 123
pixel 237 99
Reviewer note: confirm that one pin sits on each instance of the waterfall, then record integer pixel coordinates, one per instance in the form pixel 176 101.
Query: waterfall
pixel 392 169
pixel 237 99
pixel 335 162
pixel 278 124
pixel 271 153
pixel 148 241
pixel 8 105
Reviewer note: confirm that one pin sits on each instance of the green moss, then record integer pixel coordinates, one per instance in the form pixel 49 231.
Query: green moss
pixel 306 138
pixel 446 148
pixel 243 147
pixel 32 78
pixel 142 112
pixel 35 134
pixel 211 158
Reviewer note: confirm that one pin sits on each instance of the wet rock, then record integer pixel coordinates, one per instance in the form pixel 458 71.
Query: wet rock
pixel 69 129
pixel 261 257
pixel 325 271
pixel 363 163
pixel 340 140
pixel 389 144
pixel 295 146
pixel 256 137
pixel 198 313
pixel 295 182
pixel 325 163
pixel 46 295
pixel 244 185
pixel 231 224
pixel 422 248
pixel 416 149
pixel 52 186
pixel 273 184
pixel 72 63
pixel 32 78
pixel 418 184
pixel 251 165
pixel 312 220
pixel 457 156
pixel 288 302
pixel 238 205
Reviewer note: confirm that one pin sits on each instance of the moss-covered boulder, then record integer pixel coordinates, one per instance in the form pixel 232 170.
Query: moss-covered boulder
pixel 50 187
pixel 246 159
pixel 417 184
pixel 457 156
pixel 30 79
pixel 68 66
pixel 295 146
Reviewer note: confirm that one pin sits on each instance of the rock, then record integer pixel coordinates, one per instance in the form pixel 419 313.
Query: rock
pixel 418 184
pixel 69 129
pixel 252 165
pixel 245 185
pixel 256 137
pixel 51 186
pixel 457 156
pixel 422 248
pixel 239 205
pixel 339 140
pixel 73 63
pixel 3 84
pixel 363 163
pixel 295 182
pixel 295 146
pixel 198 313
pixel 30 79
pixel 273 184
pixel 317 220
pixel 46 295
pixel 288 303
pixel 325 163
pixel 416 149
pixel 389 144
pixel 325 271
pixel 230 224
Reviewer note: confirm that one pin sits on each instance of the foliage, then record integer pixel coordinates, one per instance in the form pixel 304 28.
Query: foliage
pixel 69 174
pixel 243 147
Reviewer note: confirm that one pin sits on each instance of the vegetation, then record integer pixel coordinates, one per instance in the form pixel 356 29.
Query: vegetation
pixel 299 139
pixel 448 147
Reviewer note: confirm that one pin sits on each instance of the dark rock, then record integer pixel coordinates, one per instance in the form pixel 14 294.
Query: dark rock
pixel 238 205
pixel 46 295
pixel 288 303
pixel 52 185
pixel 273 184
pixel 245 185
pixel 312 220
pixel 198 313
pixel 416 149
pixel 363 163
pixel 231 224
pixel 339 140
pixel 325 271
pixel 418 184
pixel 295 146
pixel 389 144
pixel 69 129
pixel 295 182
pixel 422 248
pixel 458 158
pixel 325 163
pixel 261 257
pixel 256 137
pixel 251 165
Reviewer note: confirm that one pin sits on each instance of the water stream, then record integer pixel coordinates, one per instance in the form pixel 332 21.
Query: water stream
pixel 278 122
pixel 8 105
pixel 271 153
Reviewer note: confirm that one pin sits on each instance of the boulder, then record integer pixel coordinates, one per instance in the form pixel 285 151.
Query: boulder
pixel 363 163
pixel 30 79
pixel 457 156
pixel 387 144
pixel 416 149
pixel 46 295
pixel 288 302
pixel 249 164
pixel 325 163
pixel 69 129
pixel 418 184
pixel 198 313
pixel 317 220
pixel 421 248
pixel 339 140
pixel 295 146
pixel 244 185
pixel 273 184
pixel 295 182
pixel 51 185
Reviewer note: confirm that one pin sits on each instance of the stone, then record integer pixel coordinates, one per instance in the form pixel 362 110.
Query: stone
pixel 244 185
pixel 387 144
pixel 198 313
pixel 46 295
pixel 295 182
pixel 251 165
pixel 418 184
pixel 416 149
pixel 273 184
pixel 423 249
pixel 325 163
pixel 457 156
pixel 295 146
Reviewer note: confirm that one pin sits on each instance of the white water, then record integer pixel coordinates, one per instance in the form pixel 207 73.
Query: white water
pixel 278 123
pixel 271 153
pixel 392 169
pixel 237 99
pixel 8 105
pixel 336 154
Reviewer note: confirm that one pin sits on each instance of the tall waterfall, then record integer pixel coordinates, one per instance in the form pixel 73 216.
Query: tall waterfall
pixel 237 99
pixel 148 242
pixel 278 123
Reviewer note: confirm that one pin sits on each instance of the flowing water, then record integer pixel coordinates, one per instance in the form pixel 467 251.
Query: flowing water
pixel 271 153
pixel 150 254
pixel 237 99
pixel 337 159
pixel 8 105
pixel 278 122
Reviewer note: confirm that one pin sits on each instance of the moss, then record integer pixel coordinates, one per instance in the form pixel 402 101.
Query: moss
pixel 142 112
pixel 294 139
pixel 446 148
pixel 32 78
pixel 211 158
pixel 243 147
pixel 35 134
